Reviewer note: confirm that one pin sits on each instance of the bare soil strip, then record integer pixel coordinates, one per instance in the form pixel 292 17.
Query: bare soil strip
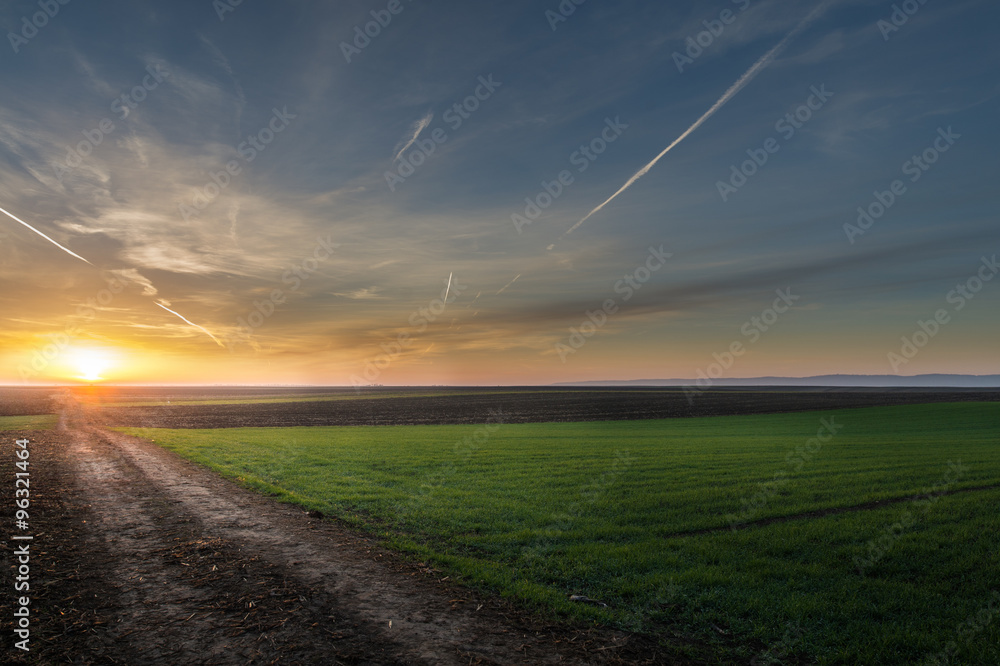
pixel 518 406
pixel 163 562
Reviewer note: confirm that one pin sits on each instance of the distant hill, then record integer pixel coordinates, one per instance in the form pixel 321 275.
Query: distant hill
pixel 887 381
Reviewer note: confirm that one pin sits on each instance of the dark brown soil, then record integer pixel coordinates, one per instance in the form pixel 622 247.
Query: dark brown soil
pixel 520 406
pixel 26 401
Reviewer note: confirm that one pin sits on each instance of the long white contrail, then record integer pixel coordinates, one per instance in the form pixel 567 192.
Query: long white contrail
pixel 448 289
pixel 418 127
pixel 741 82
pixel 64 249
pixel 144 283
pixel 507 285
pixel 204 330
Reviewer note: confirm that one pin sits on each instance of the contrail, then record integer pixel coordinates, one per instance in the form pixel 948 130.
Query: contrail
pixel 127 274
pixel 741 82
pixel 448 290
pixel 64 249
pixel 205 331
pixel 507 285
pixel 418 127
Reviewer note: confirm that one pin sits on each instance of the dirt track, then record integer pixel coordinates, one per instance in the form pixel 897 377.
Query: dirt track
pixel 149 559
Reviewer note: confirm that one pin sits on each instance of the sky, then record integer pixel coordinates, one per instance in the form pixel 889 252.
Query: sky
pixel 410 191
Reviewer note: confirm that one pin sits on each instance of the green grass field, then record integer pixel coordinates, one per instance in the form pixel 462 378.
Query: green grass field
pixel 39 422
pixel 638 513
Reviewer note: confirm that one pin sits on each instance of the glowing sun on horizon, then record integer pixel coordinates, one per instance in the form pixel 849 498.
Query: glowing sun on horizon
pixel 91 363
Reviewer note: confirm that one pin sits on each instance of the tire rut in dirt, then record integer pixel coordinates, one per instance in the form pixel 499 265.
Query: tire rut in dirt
pixel 190 597
pixel 431 622
pixel 73 610
pixel 429 628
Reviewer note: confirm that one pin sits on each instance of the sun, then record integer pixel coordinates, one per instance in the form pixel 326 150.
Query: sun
pixel 91 363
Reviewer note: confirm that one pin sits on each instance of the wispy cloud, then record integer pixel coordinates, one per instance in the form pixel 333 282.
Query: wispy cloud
pixel 365 294
pixel 415 130
pixel 223 62
pixel 134 276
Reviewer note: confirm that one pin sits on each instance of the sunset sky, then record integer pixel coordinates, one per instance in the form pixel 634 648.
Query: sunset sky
pixel 322 247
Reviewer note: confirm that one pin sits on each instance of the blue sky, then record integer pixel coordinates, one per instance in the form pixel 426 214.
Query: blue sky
pixel 129 206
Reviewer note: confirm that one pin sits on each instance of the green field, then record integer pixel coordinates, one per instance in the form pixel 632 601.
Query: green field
pixel 637 514
pixel 39 422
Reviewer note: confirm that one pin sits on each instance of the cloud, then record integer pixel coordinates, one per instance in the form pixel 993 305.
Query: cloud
pixel 417 127
pixel 134 276
pixel 365 294
pixel 223 62
pixel 233 216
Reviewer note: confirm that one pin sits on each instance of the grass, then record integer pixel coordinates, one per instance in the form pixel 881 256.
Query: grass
pixel 618 511
pixel 37 422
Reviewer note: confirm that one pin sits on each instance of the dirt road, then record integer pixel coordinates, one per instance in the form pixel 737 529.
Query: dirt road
pixel 150 559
